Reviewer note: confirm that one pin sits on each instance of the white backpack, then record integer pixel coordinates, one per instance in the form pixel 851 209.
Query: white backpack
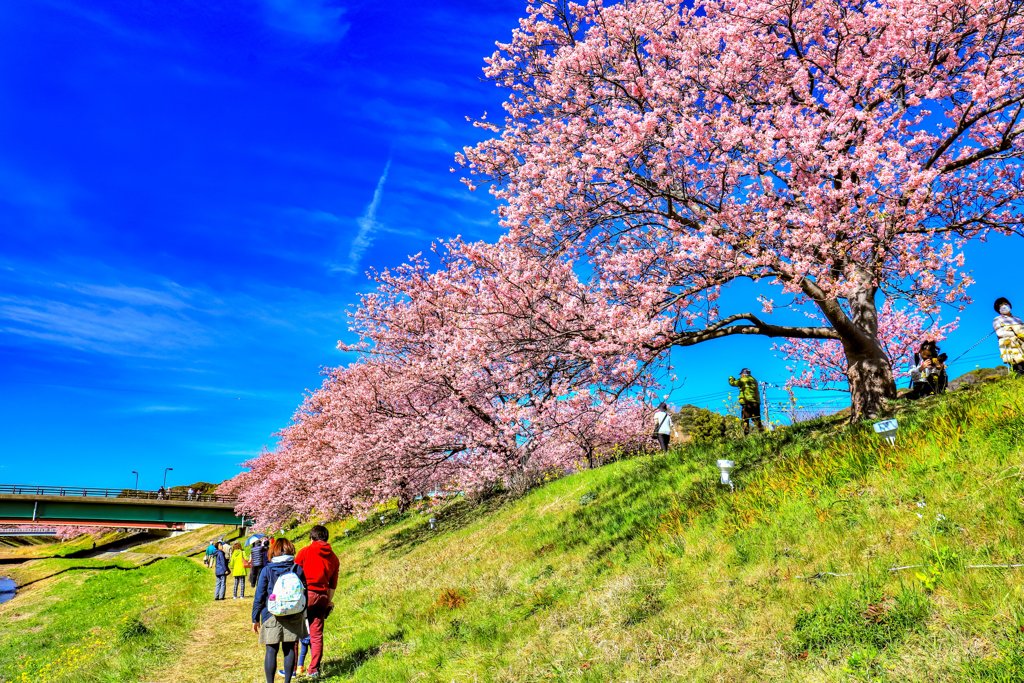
pixel 288 596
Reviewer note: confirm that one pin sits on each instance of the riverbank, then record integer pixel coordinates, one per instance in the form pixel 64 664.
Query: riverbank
pixel 101 623
pixel 837 557
pixel 120 616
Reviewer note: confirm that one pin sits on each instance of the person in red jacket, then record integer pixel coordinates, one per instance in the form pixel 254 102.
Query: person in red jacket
pixel 320 566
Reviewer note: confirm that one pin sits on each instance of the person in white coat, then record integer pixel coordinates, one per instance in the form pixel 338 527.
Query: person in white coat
pixel 1010 331
pixel 662 426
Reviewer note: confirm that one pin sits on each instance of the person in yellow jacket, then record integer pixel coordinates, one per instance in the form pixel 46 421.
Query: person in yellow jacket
pixel 750 400
pixel 237 564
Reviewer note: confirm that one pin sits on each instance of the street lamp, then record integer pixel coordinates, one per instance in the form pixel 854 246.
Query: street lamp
pixel 136 479
pixel 166 470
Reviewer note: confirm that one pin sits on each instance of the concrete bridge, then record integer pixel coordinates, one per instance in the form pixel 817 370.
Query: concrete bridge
pixel 65 505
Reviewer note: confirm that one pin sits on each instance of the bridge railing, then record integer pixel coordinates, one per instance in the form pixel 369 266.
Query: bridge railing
pixel 18 530
pixel 135 494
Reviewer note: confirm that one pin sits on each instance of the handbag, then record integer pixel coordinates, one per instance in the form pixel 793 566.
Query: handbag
pixel 657 430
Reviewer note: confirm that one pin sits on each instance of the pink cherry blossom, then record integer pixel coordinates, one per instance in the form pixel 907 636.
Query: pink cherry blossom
pixel 838 152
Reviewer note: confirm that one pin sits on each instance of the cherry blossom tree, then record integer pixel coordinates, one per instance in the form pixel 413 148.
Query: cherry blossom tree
pixel 839 151
pixel 466 380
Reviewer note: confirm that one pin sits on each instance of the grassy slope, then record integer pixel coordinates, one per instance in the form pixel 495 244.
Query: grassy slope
pixel 191 542
pixel 100 624
pixel 647 570
pixel 107 619
pixel 43 547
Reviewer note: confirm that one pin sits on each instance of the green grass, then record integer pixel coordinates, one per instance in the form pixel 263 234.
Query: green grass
pixel 837 558
pixel 100 624
pixel 190 542
pixel 48 547
pixel 647 570
pixel 32 572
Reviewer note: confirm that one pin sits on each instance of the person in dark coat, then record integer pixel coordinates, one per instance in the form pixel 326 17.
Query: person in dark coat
pixel 278 632
pixel 257 558
pixel 221 571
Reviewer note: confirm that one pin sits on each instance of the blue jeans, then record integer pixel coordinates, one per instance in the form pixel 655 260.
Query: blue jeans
pixel 221 589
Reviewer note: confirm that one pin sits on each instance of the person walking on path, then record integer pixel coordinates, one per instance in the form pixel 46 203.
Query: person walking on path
pixel 750 400
pixel 221 571
pixel 237 571
pixel 662 426
pixel 278 632
pixel 1010 331
pixel 300 663
pixel 257 558
pixel 211 550
pixel 320 565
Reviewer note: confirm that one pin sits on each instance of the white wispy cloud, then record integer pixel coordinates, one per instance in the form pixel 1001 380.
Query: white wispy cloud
pixel 111 319
pixel 157 409
pixel 237 393
pixel 174 297
pixel 318 21
pixel 97 328
pixel 368 227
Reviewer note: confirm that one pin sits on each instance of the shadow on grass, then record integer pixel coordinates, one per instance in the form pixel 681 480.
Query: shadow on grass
pixel 630 506
pixel 119 568
pixel 451 517
pixel 623 508
pixel 350 663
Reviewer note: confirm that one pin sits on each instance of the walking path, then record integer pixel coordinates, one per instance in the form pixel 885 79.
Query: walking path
pixel 222 648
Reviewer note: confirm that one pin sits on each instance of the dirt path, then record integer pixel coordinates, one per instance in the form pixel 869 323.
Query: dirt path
pixel 221 649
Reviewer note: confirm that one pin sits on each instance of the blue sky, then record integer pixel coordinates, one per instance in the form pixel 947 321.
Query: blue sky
pixel 190 193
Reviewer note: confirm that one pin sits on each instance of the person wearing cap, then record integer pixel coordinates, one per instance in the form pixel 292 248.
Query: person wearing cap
pixel 257 560
pixel 1010 331
pixel 750 400
pixel 662 426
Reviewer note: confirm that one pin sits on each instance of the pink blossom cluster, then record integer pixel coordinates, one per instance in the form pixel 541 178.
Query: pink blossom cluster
pixel 497 369
pixel 652 154
pixel 66 533
pixel 838 151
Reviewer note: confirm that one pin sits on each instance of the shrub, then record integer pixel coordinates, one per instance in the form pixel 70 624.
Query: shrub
pixel 451 598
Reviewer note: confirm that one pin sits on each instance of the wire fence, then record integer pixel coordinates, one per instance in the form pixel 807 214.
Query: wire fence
pixel 809 406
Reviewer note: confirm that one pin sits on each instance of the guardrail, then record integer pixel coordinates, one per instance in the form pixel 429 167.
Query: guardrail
pixel 134 494
pixel 16 530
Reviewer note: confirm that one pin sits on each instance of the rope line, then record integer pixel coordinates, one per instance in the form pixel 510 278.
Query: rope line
pixel 821 575
pixel 972 347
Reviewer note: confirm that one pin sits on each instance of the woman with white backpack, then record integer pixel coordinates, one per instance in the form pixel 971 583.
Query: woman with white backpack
pixel 279 608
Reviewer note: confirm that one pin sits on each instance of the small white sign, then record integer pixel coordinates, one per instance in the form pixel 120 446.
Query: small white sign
pixel 886 426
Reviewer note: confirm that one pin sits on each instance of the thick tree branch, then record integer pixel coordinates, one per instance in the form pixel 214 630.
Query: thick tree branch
pixel 726 328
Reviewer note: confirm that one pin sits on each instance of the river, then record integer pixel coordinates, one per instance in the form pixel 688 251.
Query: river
pixel 7 587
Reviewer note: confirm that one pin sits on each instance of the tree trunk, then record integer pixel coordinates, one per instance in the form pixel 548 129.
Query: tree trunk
pixel 869 370
pixel 871 382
